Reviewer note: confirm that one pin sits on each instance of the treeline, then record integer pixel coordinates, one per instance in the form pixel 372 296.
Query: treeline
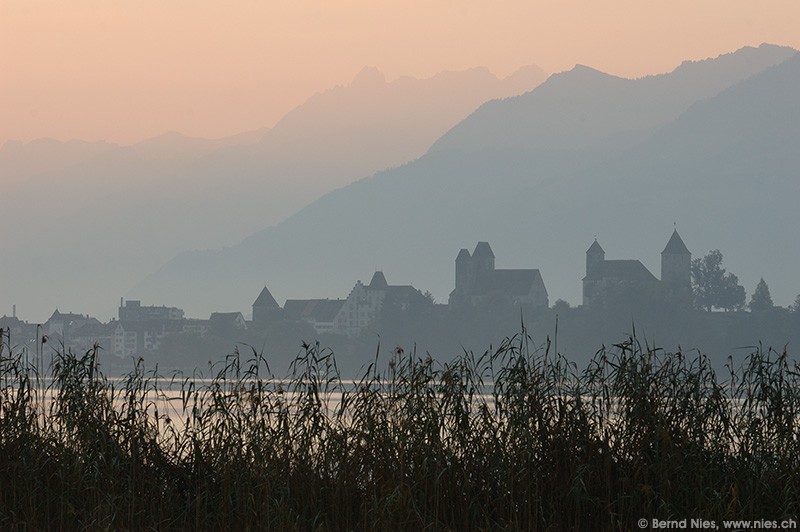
pixel 576 332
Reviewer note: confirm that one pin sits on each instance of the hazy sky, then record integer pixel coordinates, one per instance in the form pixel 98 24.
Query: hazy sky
pixel 123 70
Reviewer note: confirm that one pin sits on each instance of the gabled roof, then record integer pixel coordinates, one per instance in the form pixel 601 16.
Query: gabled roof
pixel 622 270
pixel 403 292
pixel 675 246
pixel 318 310
pixel 326 309
pixel 224 316
pixel 266 300
pixel 147 326
pixel 66 316
pixel 378 281
pixel 463 255
pixel 9 321
pixel 511 282
pixel 483 249
pixel 595 248
pixel 293 308
pixel 226 319
pixel 93 329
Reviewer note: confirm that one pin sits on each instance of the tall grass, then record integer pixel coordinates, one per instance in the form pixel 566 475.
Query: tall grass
pixel 515 438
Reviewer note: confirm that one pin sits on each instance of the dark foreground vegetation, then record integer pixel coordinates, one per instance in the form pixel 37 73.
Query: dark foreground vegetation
pixel 517 438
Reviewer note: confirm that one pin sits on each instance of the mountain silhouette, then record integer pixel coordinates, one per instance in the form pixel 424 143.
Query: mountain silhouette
pixel 584 106
pixel 99 217
pixel 722 166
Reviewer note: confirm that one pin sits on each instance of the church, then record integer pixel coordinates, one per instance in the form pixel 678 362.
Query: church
pixel 612 282
pixel 478 281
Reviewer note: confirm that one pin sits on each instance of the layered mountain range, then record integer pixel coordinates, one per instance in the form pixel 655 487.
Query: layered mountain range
pixel 85 221
pixel 712 148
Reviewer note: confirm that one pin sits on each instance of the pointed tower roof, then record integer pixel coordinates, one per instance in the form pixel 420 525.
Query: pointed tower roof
pixel 483 249
pixel 265 299
pixel 675 246
pixel 463 255
pixel 378 281
pixel 595 248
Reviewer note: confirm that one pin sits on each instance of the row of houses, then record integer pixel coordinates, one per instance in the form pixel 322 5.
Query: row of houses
pixel 348 316
pixel 137 329
pixel 478 283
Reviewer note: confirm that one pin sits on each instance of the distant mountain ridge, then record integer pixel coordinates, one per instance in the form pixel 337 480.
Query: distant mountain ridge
pixel 20 161
pixel 91 219
pixel 583 106
pixel 722 166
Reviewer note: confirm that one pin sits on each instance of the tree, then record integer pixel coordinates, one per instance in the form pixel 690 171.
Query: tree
pixel 796 306
pixel 732 296
pixel 713 287
pixel 761 299
pixel 561 306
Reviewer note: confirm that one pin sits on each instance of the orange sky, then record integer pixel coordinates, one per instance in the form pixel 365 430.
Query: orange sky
pixel 124 70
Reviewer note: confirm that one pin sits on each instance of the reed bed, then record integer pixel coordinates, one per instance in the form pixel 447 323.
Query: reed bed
pixel 514 438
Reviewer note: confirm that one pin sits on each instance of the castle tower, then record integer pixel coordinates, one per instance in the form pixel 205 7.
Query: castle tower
pixel 265 307
pixel 595 256
pixel 378 281
pixel 483 258
pixel 676 268
pixel 465 273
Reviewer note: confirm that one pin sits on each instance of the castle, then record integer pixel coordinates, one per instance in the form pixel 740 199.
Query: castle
pixel 609 282
pixel 477 281
pixel 479 285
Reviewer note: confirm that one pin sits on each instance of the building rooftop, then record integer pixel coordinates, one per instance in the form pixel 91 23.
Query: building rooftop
pixel 483 249
pixel 378 281
pixel 265 299
pixel 624 270
pixel 675 246
pixel 512 282
pixel 66 316
pixel 321 310
pixel 595 248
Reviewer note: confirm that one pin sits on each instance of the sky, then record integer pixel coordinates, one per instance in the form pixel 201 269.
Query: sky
pixel 124 71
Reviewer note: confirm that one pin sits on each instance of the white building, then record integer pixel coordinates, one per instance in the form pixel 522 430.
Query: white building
pixel 365 302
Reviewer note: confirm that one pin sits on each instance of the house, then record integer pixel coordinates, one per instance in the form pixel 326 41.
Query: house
pixel 365 302
pixel 18 332
pixel 320 313
pixel 59 324
pixel 137 337
pixel 226 323
pixel 610 282
pixel 478 281
pixel 133 310
pixel 195 326
pixel 141 328
pixel 125 340
pixel 88 334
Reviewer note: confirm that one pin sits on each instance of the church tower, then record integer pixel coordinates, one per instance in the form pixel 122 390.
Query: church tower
pixel 676 269
pixel 483 258
pixel 595 256
pixel 465 273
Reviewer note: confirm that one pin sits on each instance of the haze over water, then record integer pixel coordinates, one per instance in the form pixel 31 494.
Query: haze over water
pixel 188 155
